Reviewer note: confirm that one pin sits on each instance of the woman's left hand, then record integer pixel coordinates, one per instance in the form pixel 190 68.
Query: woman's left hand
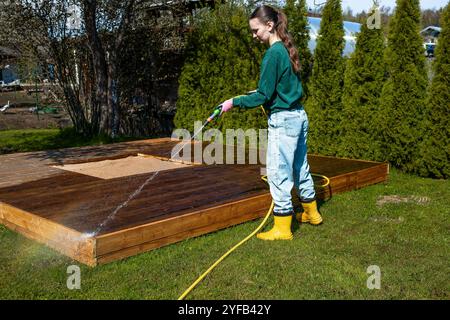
pixel 227 105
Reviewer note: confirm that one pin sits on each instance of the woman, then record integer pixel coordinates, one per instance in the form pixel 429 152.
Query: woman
pixel 280 90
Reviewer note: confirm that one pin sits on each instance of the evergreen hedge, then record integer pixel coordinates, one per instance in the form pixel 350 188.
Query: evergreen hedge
pixel 364 79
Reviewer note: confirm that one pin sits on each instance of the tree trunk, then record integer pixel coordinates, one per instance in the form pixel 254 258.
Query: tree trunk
pixel 101 109
pixel 113 76
pixel 113 93
pixel 74 108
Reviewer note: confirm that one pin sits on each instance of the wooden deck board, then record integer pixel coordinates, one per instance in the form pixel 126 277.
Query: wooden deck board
pixel 172 206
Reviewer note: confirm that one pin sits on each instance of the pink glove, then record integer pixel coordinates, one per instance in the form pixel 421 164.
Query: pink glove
pixel 227 105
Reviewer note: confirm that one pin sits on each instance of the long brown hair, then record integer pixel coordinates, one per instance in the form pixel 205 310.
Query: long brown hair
pixel 267 13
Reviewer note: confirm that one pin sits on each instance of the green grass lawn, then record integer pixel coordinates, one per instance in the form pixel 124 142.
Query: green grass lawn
pixel 406 234
pixel 46 139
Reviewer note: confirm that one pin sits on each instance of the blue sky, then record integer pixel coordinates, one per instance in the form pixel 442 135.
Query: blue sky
pixel 360 5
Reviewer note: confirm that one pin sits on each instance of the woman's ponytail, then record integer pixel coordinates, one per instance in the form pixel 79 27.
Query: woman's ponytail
pixel 283 33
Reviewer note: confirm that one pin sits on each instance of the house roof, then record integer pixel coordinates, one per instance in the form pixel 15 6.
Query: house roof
pixel 431 30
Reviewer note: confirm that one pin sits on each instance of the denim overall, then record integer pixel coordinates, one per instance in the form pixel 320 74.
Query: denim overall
pixel 287 163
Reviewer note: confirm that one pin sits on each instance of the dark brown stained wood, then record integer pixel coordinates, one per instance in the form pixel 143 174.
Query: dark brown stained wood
pixel 61 208
pixel 84 206
pixel 331 167
pixel 130 251
pixel 45 186
pixel 196 223
pixel 31 166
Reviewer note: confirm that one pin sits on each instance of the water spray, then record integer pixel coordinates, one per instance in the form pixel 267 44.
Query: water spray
pixel 216 113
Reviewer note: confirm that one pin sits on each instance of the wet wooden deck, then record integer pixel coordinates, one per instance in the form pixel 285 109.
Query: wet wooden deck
pixel 97 220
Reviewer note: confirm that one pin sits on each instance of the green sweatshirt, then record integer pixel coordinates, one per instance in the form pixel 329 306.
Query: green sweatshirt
pixel 279 88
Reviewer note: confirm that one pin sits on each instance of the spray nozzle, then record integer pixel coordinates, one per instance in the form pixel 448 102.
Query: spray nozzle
pixel 217 112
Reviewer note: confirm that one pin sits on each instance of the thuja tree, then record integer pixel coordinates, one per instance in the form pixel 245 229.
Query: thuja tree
pixel 324 105
pixel 434 159
pixel 402 109
pixel 297 13
pixel 364 78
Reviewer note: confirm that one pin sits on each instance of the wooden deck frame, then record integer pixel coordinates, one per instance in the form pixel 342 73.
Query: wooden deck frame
pixel 129 241
pixel 64 240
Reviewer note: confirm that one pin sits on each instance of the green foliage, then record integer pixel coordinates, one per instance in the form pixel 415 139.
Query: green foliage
pixel 297 12
pixel 324 104
pixel 434 157
pixel 401 121
pixel 364 78
pixel 222 62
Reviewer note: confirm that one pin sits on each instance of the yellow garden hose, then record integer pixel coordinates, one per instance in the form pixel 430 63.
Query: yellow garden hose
pixel 226 254
pixel 193 285
pixel 327 180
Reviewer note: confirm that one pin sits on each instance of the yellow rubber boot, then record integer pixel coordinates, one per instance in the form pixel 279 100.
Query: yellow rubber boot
pixel 280 231
pixel 311 214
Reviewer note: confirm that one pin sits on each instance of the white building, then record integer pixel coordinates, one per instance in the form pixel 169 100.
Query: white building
pixel 430 39
pixel 350 29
